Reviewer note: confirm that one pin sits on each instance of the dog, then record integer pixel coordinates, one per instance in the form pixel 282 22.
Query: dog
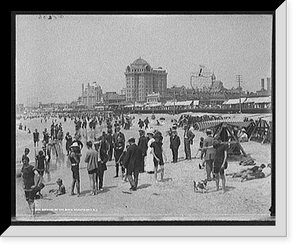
pixel 200 186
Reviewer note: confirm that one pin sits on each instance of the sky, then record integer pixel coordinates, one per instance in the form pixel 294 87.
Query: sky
pixel 54 57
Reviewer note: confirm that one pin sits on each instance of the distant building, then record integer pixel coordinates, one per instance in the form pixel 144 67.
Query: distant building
pixel 265 91
pixel 204 82
pixel 142 79
pixel 153 98
pixel 32 102
pixel 91 94
pixel 123 91
pixel 176 91
pixel 113 97
pixel 20 108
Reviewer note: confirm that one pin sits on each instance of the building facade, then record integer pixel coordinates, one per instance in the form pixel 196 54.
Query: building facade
pixel 112 97
pixel 142 80
pixel 91 94
pixel 153 98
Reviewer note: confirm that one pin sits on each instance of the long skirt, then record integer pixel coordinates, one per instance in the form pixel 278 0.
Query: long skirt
pixel 149 163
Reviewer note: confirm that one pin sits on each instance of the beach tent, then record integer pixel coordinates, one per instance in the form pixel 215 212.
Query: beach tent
pixel 227 130
pixel 262 131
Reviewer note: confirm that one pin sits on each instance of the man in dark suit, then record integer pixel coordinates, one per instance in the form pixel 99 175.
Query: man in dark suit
pixel 132 163
pixel 188 137
pixel 174 145
pixel 117 134
pixel 143 140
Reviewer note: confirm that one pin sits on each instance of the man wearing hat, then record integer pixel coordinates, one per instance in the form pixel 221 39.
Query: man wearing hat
pixel 209 153
pixel 117 134
pixel 68 139
pixel 132 163
pixel 142 143
pixel 174 144
pixel 188 137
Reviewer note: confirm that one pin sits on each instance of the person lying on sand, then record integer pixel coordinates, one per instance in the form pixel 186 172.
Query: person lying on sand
pixel 256 172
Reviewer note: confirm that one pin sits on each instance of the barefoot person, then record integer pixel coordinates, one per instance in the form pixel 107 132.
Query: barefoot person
pixel 25 155
pixel 208 153
pixel 157 151
pixel 40 162
pixel 75 159
pixel 28 173
pixel 220 162
pixel 91 159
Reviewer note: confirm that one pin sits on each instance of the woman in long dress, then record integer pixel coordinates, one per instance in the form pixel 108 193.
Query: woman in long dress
pixel 149 163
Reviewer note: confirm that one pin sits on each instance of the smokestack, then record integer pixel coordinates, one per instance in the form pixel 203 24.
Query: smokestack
pixel 262 83
pixel 268 84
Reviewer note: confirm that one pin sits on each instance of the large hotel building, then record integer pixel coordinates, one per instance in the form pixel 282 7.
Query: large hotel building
pixel 142 80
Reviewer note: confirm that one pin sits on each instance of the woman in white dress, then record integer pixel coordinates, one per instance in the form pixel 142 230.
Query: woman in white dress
pixel 149 163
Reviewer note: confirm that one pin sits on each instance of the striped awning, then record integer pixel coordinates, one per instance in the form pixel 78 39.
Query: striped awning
pixel 266 99
pixel 233 122
pixel 234 101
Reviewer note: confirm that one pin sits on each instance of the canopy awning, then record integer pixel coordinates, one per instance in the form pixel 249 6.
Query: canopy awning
pixel 234 101
pixel 233 122
pixel 157 104
pixel 266 99
pixel 179 103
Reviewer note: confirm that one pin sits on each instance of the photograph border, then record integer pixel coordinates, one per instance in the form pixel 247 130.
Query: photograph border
pixel 276 92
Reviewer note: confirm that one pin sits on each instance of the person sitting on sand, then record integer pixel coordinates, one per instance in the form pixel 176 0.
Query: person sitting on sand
pixel 61 188
pixel 242 135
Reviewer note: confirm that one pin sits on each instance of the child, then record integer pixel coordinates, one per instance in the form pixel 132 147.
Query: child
pixel 61 188
pixel 40 162
pixel 25 155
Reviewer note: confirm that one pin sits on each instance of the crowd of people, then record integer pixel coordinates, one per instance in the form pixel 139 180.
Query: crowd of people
pixel 145 154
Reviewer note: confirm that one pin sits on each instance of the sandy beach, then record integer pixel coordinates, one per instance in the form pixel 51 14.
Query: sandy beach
pixel 171 199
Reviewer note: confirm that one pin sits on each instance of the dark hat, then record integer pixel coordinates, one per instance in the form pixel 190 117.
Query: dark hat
pixel 131 139
pixel 158 136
